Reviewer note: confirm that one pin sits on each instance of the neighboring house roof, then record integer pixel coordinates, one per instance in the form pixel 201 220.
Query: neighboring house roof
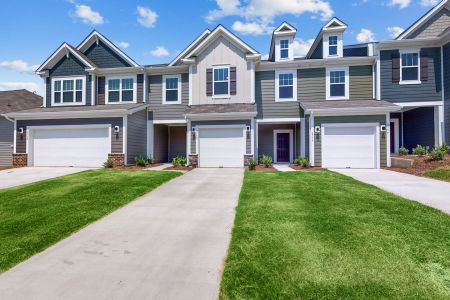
pixel 16 100
pixel 94 36
pixel 353 105
pixel 335 24
pixel 428 15
pixel 221 108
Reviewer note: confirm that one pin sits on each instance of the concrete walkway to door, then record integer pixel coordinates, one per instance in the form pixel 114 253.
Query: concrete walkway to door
pixel 427 191
pixel 169 244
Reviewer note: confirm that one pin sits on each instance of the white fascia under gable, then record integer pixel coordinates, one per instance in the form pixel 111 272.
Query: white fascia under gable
pixel 63 50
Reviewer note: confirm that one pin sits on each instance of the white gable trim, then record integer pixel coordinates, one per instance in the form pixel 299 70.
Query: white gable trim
pixel 342 25
pixel 96 35
pixel 422 20
pixel 189 48
pixel 68 49
pixel 292 29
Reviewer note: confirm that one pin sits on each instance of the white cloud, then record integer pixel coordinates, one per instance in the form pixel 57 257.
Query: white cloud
pixel 147 17
pixel 429 2
pixel 159 51
pixel 394 31
pixel 365 36
pixel 122 44
pixel 400 3
pixel 31 86
pixel 252 28
pixel 301 47
pixel 87 15
pixel 18 66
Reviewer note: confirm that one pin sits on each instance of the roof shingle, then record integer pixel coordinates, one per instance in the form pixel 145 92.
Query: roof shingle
pixel 11 101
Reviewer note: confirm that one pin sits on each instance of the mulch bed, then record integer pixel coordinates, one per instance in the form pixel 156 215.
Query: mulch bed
pixel 422 164
pixel 137 168
pixel 298 168
pixel 264 169
pixel 179 169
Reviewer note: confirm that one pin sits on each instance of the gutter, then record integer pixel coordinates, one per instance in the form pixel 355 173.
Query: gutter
pixel 314 63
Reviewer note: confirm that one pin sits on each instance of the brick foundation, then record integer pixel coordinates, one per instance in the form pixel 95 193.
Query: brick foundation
pixel 20 160
pixel 193 160
pixel 118 159
pixel 247 158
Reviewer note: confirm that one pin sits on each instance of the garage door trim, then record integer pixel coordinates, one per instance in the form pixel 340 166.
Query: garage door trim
pixel 373 125
pixel 32 129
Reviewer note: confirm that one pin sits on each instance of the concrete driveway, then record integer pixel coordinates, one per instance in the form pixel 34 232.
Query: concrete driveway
pixel 427 191
pixel 19 176
pixel 169 244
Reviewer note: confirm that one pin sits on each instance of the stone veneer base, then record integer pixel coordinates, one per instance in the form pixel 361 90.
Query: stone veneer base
pixel 118 159
pixel 20 160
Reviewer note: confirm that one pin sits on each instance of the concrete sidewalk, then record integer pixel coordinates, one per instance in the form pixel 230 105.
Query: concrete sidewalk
pixel 427 191
pixel 169 244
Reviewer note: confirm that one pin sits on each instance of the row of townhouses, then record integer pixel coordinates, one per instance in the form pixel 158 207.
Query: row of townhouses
pixel 220 104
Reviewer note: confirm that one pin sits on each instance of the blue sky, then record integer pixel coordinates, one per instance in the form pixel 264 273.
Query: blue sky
pixel 154 31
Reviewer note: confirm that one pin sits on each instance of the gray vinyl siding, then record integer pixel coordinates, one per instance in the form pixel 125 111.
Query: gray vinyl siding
pixel 311 84
pixel 177 141
pixel 361 83
pixel 104 57
pixel 167 111
pixel 427 91
pixel 6 141
pixel 70 66
pixel 265 138
pixel 318 121
pixel 447 92
pixel 160 144
pixel 116 138
pixel 265 99
pixel 433 27
pixel 418 127
pixel 136 135
pixel 318 52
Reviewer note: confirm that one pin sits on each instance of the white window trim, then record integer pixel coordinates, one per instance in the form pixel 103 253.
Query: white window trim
pixel 326 46
pixel 134 77
pixel 224 96
pixel 277 86
pixel 413 51
pixel 278 48
pixel 83 91
pixel 347 83
pixel 291 144
pixel 178 76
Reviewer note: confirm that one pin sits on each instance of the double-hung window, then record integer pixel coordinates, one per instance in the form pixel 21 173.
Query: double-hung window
pixel 68 91
pixel 284 49
pixel 337 84
pixel 221 81
pixel 333 45
pixel 120 90
pixel 410 67
pixel 171 89
pixel 286 86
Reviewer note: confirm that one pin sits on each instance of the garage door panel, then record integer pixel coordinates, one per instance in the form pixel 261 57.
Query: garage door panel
pixel 86 147
pixel 221 147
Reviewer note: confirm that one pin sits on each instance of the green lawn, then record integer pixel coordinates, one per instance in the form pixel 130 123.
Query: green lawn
pixel 321 235
pixel 441 174
pixel 35 216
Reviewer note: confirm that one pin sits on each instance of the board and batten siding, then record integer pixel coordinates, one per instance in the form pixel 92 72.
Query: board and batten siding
pixel 426 91
pixel 318 121
pixel 221 51
pixel 446 51
pixel 167 111
pixel 116 138
pixel 6 141
pixel 136 135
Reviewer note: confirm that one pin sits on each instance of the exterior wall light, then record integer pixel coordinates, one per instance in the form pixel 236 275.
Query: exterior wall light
pixel 116 129
pixel 317 129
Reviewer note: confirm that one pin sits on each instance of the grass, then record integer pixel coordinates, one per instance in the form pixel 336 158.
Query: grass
pixel 321 235
pixel 37 215
pixel 440 173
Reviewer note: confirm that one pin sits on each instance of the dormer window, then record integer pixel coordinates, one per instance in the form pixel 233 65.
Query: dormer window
pixel 333 45
pixel 284 49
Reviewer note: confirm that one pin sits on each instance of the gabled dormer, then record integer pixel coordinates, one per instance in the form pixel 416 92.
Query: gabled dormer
pixel 329 42
pixel 281 48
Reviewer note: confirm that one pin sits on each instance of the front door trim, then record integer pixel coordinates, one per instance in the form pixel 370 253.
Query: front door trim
pixel 396 122
pixel 291 144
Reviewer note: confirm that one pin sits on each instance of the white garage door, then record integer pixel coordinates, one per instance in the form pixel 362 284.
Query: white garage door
pixel 349 147
pixel 221 147
pixel 80 147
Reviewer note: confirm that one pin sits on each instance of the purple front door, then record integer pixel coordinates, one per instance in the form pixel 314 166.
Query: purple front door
pixel 283 147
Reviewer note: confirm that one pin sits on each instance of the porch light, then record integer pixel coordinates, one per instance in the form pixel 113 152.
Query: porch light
pixel 317 129
pixel 116 129
pixel 383 128
pixel 20 130
pixel 193 129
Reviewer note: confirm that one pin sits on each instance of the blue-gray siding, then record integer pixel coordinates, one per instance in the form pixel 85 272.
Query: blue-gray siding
pixel 136 135
pixel 104 57
pixel 418 127
pixel 318 52
pixel 167 111
pixel 6 141
pixel 447 92
pixel 427 91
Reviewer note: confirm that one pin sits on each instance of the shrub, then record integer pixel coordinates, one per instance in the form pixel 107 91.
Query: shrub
pixel 302 162
pixel 266 160
pixel 419 150
pixel 403 151
pixel 149 159
pixel 252 164
pixel 445 148
pixel 179 161
pixel 438 153
pixel 108 164
pixel 140 161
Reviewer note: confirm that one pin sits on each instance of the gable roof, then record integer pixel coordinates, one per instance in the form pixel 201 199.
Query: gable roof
pixel 63 50
pixel 335 24
pixel 94 36
pixel 284 29
pixel 428 15
pixel 192 45
pixel 219 30
pixel 17 100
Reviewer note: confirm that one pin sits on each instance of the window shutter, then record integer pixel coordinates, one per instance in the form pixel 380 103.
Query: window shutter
pixel 424 65
pixel 101 90
pixel 396 67
pixel 232 80
pixel 209 82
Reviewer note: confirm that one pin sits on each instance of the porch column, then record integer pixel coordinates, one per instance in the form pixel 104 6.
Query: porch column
pixel 150 135
pixel 302 137
pixel 311 139
pixel 438 125
pixel 255 126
